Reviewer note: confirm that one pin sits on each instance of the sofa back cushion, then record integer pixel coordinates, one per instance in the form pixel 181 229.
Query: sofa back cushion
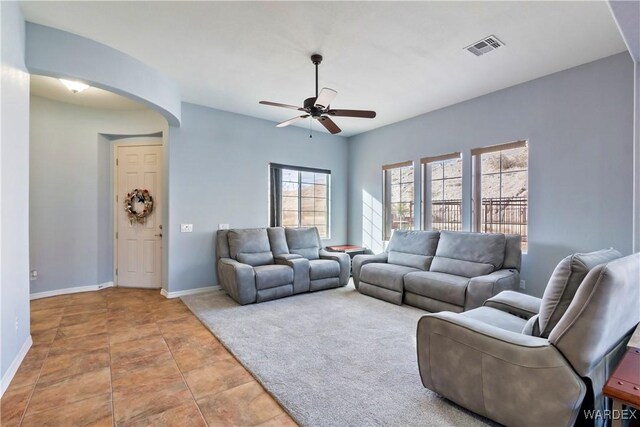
pixel 512 251
pixel 564 283
pixel 304 241
pixel 412 248
pixel 250 246
pixel 469 254
pixel 278 241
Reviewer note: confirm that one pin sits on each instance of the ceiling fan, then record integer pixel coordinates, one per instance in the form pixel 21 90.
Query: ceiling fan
pixel 318 107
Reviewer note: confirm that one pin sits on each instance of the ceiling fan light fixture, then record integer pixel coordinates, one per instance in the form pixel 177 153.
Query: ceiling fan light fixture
pixel 74 86
pixel 319 106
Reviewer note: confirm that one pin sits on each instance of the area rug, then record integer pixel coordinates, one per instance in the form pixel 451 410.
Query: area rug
pixel 332 358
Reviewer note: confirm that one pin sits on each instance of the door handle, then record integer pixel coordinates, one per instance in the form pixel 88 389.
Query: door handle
pixel 158 235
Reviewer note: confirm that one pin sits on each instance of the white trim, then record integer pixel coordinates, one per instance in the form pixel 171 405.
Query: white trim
pixel 13 368
pixel 74 290
pixel 177 294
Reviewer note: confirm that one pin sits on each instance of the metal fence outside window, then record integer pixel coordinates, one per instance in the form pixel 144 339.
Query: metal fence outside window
pixel 499 215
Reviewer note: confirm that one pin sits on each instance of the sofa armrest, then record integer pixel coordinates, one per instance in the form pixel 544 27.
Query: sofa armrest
pixel 360 261
pixel 345 264
pixel 521 305
pixel 300 267
pixel 481 288
pixel 512 378
pixel 238 280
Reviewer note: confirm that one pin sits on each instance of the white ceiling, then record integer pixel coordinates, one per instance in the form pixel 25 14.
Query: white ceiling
pixel 48 87
pixel 401 59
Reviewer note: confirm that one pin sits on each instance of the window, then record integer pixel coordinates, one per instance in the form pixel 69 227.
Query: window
pixel 501 189
pixel 398 197
pixel 300 197
pixel 442 187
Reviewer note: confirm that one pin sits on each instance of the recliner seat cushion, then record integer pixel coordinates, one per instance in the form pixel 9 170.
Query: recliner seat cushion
pixel 564 283
pixel 250 246
pixel 494 317
pixel 304 242
pixel 388 276
pixel 441 286
pixel 323 269
pixel 413 248
pixel 270 276
pixel 469 254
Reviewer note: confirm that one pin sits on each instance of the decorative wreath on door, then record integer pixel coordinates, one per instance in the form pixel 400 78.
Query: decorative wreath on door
pixel 138 204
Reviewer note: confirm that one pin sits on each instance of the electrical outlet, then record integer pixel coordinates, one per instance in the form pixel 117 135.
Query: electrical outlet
pixel 523 284
pixel 186 228
pixel 223 226
pixel 17 325
pixel 34 275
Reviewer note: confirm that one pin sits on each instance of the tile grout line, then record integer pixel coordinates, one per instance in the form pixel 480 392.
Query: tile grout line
pixel 33 390
pixel 195 401
pixel 113 409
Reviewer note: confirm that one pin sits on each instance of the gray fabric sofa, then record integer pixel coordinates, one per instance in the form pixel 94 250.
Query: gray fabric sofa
pixel 453 271
pixel 526 361
pixel 262 264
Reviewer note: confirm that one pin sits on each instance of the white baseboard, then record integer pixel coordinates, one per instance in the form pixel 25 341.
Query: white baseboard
pixel 178 294
pixel 77 289
pixel 13 368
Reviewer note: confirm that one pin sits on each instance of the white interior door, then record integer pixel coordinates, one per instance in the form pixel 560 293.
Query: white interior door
pixel 139 245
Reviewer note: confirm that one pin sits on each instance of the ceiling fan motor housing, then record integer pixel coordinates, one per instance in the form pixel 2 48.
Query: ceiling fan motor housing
pixel 309 105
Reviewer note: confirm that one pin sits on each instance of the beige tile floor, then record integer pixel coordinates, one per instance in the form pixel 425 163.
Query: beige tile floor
pixel 130 357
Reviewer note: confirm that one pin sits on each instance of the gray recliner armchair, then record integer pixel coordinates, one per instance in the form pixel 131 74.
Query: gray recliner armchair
pixel 525 361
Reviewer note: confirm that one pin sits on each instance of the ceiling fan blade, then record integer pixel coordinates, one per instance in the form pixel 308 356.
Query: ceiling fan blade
pixel 365 114
pixel 329 124
pixel 275 104
pixel 291 121
pixel 325 97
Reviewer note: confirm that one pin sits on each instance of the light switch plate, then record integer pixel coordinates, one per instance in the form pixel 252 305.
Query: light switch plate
pixel 523 284
pixel 223 226
pixel 186 228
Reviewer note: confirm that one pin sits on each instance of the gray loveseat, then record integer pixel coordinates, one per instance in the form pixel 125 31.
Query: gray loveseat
pixel 526 361
pixel 436 271
pixel 261 264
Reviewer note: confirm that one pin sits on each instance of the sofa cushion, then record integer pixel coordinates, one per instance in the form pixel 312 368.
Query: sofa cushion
pixel 250 246
pixel 413 248
pixel 564 283
pixel 484 248
pixel 277 240
pixel 270 276
pixel 459 267
pixel 323 269
pixel 440 286
pixel 304 241
pixel 389 276
pixel 497 318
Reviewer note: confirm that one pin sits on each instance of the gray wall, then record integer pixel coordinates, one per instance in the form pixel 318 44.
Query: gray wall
pixel 579 123
pixel 14 194
pixel 218 169
pixel 71 216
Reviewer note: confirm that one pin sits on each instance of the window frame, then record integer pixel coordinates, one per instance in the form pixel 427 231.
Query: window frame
pixel 386 211
pixel 299 183
pixel 476 183
pixel 426 175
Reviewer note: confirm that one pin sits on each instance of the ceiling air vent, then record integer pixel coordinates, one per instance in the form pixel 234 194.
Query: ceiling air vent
pixel 485 45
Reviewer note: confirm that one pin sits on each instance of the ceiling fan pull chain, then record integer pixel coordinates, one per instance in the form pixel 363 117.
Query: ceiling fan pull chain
pixel 310 123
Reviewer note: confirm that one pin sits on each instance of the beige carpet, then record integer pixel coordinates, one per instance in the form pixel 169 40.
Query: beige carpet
pixel 332 358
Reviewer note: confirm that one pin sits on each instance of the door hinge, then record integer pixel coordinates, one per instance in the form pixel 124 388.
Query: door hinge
pixel 116 198
pixel 116 234
pixel 116 271
pixel 116 162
